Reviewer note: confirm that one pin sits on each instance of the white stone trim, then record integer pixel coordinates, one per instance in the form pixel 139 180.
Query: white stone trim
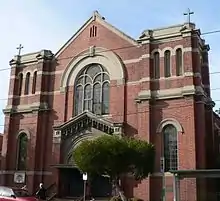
pixel 36 93
pixel 144 79
pixel 167 121
pixel 102 56
pixel 156 50
pixel 165 49
pixel 27 132
pixel 39 73
pixel 135 60
pixel 11 172
pixel 170 93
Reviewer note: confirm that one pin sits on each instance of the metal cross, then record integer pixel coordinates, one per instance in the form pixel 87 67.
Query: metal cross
pixel 189 13
pixel 19 49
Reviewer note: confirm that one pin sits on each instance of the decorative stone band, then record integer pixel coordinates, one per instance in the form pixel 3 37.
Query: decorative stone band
pixel 11 172
pixel 169 93
pixel 29 108
pixel 119 82
pixel 32 57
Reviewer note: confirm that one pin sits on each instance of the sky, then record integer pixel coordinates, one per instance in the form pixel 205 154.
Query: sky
pixel 48 24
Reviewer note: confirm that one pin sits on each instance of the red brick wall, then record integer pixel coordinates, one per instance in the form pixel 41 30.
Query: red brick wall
pixel 141 119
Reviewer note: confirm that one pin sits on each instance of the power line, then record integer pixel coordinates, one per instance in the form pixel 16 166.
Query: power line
pixel 27 96
pixel 211 32
pixel 113 49
pixel 163 107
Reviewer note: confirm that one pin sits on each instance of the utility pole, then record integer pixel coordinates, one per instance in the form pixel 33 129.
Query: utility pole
pixel 162 169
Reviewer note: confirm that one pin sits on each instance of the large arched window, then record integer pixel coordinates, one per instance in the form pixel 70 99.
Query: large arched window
pixel 179 62
pixel 20 82
pixel 22 147
pixel 170 147
pixel 34 82
pixel 92 90
pixel 27 83
pixel 167 66
pixel 156 65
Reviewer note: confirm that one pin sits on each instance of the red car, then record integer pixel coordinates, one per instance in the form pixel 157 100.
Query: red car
pixel 15 194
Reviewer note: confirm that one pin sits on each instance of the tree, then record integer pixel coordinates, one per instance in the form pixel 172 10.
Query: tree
pixel 114 156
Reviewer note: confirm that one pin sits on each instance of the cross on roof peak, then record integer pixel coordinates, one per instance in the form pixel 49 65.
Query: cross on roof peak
pixel 19 49
pixel 188 13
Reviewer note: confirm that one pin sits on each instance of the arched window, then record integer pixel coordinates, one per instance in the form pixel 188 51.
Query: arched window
pixel 92 90
pixel 167 63
pixel 179 62
pixel 156 65
pixel 22 147
pixel 34 82
pixel 170 147
pixel 27 83
pixel 20 82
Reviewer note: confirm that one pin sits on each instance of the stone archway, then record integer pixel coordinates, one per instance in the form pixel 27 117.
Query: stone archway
pixel 69 135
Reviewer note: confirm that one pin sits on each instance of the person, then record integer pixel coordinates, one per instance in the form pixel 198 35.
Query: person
pixel 41 193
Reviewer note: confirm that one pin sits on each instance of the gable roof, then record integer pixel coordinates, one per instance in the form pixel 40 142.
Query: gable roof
pixel 97 17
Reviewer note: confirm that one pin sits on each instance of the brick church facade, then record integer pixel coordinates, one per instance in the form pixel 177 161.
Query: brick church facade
pixel 102 81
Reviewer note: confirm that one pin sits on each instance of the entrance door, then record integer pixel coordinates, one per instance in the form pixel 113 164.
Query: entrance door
pixel 101 187
pixel 71 182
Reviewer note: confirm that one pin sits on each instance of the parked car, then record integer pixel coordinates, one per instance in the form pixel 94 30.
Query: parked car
pixel 15 194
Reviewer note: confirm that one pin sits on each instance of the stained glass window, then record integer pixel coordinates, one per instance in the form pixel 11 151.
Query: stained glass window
pixel 22 151
pixel 179 62
pixel 170 147
pixel 92 90
pixel 167 63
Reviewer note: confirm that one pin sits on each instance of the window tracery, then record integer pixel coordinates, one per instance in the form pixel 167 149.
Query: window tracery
pixel 92 90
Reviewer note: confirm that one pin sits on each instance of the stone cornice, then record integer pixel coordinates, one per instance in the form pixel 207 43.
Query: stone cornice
pixel 182 30
pixel 29 108
pixel 169 93
pixel 43 55
pixel 86 120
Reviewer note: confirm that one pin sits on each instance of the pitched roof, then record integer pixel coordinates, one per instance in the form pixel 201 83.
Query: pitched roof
pixel 97 17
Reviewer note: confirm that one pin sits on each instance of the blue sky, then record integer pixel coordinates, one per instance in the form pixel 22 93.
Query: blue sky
pixel 48 24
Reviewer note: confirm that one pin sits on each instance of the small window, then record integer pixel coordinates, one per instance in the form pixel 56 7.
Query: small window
pixel 20 83
pixel 27 84
pixel 156 65
pixel 167 65
pixel 93 31
pixel 179 62
pixel 34 82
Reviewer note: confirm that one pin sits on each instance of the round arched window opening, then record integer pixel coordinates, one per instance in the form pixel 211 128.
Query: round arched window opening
pixel 22 148
pixel 170 146
pixel 92 90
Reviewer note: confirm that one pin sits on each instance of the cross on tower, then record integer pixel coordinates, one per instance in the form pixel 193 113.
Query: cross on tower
pixel 19 49
pixel 188 13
